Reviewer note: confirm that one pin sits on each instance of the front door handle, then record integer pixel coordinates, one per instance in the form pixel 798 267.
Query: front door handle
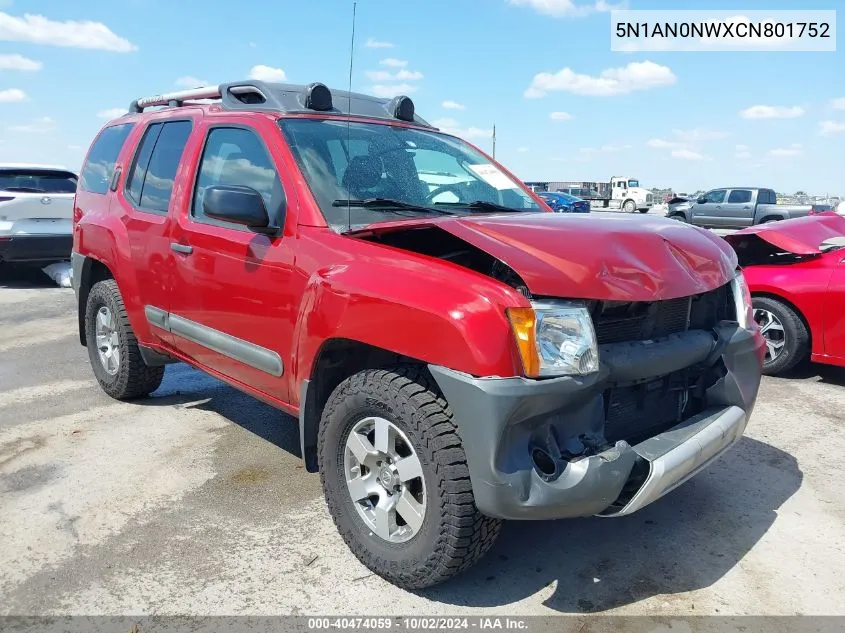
pixel 181 248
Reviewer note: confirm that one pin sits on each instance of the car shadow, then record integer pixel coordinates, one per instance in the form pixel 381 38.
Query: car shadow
pixel 828 374
pixel 16 276
pixel 685 541
pixel 186 387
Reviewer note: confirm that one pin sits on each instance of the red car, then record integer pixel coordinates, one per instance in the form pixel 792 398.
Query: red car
pixel 455 353
pixel 795 270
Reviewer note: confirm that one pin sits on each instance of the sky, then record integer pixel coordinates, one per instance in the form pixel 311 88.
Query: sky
pixel 565 107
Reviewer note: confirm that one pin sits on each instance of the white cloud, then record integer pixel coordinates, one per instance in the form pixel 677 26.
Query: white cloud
pixel 741 148
pixel 686 154
pixel 402 75
pixel 189 81
pixel 453 105
pixel 829 128
pixel 393 90
pixel 560 116
pixel 267 73
pixel 793 150
pixel 19 62
pixel 566 8
pixel 743 155
pixel 392 62
pixel 374 43
pixel 838 104
pixel 37 126
pixel 111 113
pixel 772 112
pixel 11 95
pixel 610 82
pixel 698 135
pixel 521 150
pixel 659 143
pixel 37 29
pixel 451 126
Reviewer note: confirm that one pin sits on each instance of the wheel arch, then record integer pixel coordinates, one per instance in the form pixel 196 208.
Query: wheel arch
pixel 93 271
pixel 336 360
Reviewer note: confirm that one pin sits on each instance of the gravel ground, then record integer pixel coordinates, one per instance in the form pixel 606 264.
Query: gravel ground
pixel 194 502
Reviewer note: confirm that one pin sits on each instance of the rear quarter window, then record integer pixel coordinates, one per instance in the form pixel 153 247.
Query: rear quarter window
pixel 99 165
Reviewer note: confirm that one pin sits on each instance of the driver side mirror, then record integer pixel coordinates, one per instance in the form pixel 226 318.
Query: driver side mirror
pixel 701 200
pixel 239 205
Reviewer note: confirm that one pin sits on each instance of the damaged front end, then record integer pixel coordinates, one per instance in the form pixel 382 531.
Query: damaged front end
pixel 676 382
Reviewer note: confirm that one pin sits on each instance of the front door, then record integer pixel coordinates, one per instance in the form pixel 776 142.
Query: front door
pixel 233 306
pixel 709 211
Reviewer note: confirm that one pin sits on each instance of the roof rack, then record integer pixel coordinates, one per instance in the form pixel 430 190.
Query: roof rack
pixel 256 95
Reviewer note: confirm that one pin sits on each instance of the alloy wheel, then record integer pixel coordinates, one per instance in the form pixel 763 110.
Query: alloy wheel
pixel 385 479
pixel 772 330
pixel 108 341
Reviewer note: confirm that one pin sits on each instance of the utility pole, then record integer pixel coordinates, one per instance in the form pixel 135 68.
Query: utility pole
pixel 494 141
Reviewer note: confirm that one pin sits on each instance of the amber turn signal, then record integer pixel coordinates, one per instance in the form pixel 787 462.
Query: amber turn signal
pixel 523 322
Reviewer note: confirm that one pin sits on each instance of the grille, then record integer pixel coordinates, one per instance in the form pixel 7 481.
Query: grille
pixel 618 322
pixel 637 412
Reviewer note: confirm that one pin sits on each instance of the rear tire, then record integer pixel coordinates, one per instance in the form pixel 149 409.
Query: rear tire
pixel 112 346
pixel 787 338
pixel 451 534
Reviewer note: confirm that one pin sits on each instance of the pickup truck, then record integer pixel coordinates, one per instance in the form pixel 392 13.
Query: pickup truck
pixel 736 208
pixel 454 352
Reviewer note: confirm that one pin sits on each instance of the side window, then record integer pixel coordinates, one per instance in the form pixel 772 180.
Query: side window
pixel 150 183
pixel 99 166
pixel 236 156
pixel 135 180
pixel 715 197
pixel 740 196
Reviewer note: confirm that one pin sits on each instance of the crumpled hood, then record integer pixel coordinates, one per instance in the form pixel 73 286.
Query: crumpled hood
pixel 611 257
pixel 801 236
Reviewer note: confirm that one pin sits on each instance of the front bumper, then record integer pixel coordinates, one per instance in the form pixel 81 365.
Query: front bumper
pixel 503 422
pixel 35 248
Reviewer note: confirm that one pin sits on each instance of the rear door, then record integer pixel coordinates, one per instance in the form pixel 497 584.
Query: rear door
pixel 143 203
pixel 709 212
pixel 36 201
pixel 738 209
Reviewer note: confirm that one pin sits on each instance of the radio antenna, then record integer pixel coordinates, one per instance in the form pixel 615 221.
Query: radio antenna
pixel 349 115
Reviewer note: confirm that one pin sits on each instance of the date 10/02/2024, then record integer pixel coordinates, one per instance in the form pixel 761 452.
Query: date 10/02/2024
pixel 419 623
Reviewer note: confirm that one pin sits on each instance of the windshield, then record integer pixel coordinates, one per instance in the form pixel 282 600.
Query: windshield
pixel 427 171
pixel 37 181
pixel 633 183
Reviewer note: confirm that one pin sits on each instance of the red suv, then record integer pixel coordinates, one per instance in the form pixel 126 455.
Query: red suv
pixel 455 353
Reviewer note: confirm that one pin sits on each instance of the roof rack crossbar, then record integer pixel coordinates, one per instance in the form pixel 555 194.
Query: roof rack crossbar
pixel 171 98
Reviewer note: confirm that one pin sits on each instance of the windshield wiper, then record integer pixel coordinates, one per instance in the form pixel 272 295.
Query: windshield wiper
pixel 480 206
pixel 388 204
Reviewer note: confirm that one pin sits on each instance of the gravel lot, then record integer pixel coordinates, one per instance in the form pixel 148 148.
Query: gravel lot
pixel 194 502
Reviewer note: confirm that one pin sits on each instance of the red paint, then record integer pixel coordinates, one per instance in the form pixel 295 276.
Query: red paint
pixel 815 285
pixel 295 292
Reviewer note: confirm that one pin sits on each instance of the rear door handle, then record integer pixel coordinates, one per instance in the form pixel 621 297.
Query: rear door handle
pixel 181 248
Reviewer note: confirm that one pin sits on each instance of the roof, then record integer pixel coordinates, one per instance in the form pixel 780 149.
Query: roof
pixel 283 98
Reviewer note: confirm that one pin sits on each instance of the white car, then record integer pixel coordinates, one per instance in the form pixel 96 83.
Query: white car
pixel 36 212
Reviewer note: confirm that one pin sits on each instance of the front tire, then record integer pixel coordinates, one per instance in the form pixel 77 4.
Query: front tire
pixel 786 336
pixel 630 206
pixel 112 347
pixel 396 481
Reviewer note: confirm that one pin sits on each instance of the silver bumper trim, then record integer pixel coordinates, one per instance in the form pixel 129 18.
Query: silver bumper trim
pixel 678 454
